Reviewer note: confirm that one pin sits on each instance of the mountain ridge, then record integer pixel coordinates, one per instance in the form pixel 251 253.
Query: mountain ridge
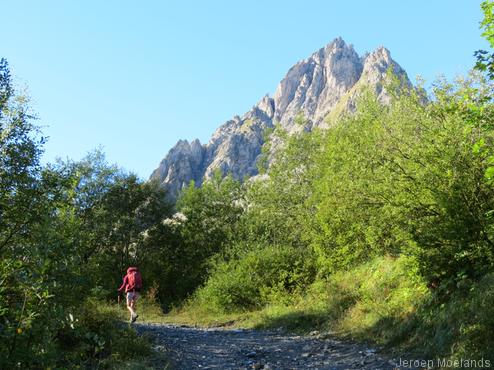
pixel 312 87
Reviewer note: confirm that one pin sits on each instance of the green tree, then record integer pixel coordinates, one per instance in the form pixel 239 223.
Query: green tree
pixel 211 215
pixel 403 178
pixel 278 212
pixel 26 206
pixel 106 216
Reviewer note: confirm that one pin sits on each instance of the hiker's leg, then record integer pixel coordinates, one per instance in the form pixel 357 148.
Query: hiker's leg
pixel 130 300
pixel 134 302
pixel 134 316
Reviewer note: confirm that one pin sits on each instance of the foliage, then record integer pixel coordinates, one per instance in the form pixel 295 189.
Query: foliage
pixel 210 217
pixel 278 211
pixel 106 213
pixel 211 212
pixel 411 183
pixel 354 220
pixel 25 308
pixel 259 277
pixel 485 60
pixel 93 337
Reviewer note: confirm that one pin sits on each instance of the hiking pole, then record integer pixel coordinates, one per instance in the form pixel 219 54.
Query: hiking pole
pixel 118 299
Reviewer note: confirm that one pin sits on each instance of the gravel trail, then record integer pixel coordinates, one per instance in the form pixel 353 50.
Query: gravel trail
pixel 217 348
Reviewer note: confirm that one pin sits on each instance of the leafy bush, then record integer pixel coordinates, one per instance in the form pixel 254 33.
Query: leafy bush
pixel 258 277
pixel 92 336
pixel 27 318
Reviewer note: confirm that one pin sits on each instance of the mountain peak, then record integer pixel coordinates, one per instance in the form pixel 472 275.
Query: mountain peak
pixel 338 45
pixel 314 85
pixel 376 66
pixel 380 56
pixel 337 42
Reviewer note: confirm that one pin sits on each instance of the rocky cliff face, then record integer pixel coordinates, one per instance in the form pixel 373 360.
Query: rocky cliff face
pixel 322 85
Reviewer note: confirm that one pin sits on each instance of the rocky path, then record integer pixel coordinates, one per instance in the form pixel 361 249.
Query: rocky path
pixel 193 348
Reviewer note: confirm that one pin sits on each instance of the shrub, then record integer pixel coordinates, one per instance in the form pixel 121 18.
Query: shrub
pixel 93 336
pixel 258 277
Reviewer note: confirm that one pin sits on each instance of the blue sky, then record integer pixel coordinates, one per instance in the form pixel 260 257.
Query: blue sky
pixel 135 77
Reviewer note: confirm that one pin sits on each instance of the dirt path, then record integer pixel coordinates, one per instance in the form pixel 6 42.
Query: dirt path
pixel 192 348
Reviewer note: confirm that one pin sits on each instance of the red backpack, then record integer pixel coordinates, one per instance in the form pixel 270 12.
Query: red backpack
pixel 134 279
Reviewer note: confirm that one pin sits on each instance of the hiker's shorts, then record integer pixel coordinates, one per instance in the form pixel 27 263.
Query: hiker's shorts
pixel 132 296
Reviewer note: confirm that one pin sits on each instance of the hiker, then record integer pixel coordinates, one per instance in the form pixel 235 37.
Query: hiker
pixel 132 284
